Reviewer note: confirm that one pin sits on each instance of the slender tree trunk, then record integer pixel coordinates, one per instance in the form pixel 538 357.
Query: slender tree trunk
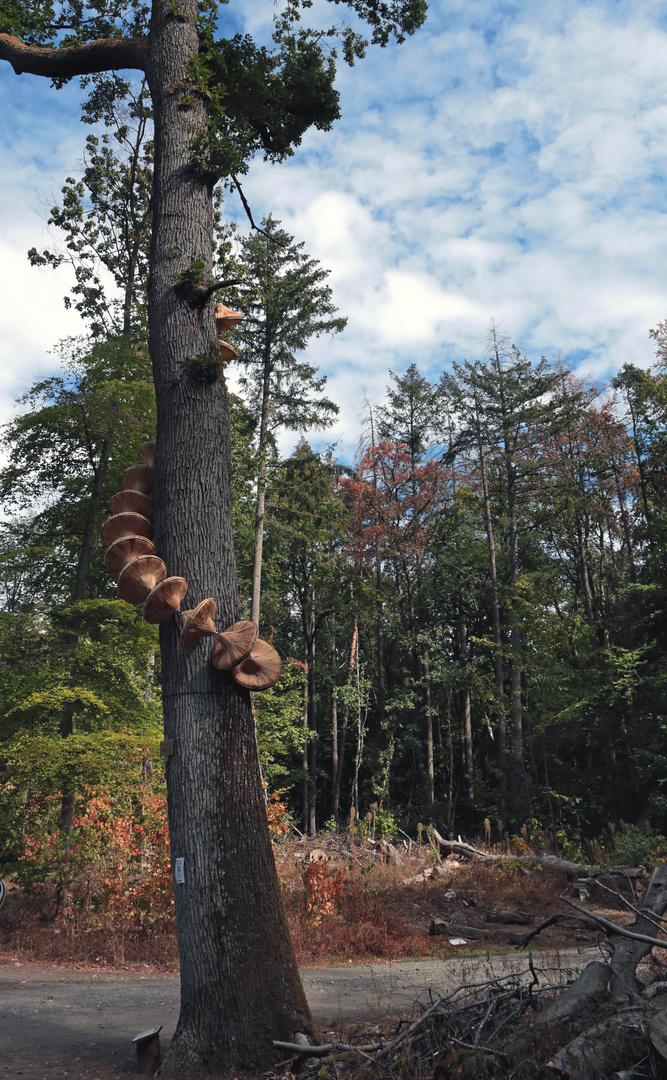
pixel 466 723
pixel 240 985
pixel 430 774
pixel 518 767
pixel 312 722
pixel 334 714
pixel 360 741
pixel 379 637
pixel 497 641
pixel 346 717
pixel 261 488
pixel 304 756
pixel 68 799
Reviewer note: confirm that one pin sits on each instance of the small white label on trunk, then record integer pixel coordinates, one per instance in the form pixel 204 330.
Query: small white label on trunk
pixel 179 871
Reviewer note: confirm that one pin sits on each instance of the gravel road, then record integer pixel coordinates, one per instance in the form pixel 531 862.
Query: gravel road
pixel 58 1022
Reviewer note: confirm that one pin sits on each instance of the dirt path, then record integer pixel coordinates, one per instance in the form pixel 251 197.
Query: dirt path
pixel 60 1022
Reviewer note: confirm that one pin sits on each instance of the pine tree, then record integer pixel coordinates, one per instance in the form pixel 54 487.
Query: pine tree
pixel 286 303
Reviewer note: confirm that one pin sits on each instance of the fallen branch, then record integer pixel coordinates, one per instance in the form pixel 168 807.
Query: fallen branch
pixel 613 928
pixel 327 1048
pixel 547 862
pixel 559 918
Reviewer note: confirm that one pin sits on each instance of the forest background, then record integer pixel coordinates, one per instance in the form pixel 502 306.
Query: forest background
pixel 470 613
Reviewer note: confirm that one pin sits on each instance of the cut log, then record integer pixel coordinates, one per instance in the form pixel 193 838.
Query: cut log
pixel 511 918
pixel 591 1054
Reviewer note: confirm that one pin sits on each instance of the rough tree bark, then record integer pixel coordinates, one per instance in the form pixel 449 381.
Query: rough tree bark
pixel 240 986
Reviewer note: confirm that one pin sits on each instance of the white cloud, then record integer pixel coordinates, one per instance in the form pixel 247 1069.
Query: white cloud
pixel 506 162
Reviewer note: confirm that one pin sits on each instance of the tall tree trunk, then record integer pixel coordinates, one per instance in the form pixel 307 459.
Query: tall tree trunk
pixel 430 774
pixel 240 984
pixel 466 723
pixel 379 638
pixel 304 754
pixel 261 487
pixel 312 721
pixel 346 717
pixel 68 799
pixel 497 641
pixel 509 449
pixel 334 714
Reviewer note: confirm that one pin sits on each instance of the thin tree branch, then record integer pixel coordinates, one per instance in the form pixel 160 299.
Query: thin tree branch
pixel 102 55
pixel 248 211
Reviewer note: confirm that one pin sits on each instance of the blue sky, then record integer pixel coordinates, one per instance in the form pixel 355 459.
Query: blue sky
pixel 506 162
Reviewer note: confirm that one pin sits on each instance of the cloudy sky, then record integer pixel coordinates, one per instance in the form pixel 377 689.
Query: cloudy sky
pixel 506 162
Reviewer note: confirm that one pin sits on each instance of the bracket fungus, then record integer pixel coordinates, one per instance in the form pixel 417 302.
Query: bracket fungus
pixel 234 645
pixel 140 577
pixel 226 351
pixel 128 523
pixel 139 478
pixel 225 317
pixel 122 551
pixel 261 669
pixel 147 453
pixel 132 500
pixel 198 623
pixel 165 599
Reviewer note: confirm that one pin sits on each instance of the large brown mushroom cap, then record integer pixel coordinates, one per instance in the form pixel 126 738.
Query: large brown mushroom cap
pixel 225 317
pixel 126 524
pixel 198 623
pixel 226 351
pixel 147 453
pixel 132 500
pixel 234 645
pixel 124 550
pixel 165 599
pixel 139 478
pixel 261 669
pixel 139 577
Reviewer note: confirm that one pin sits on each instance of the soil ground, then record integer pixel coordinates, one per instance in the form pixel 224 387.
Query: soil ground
pixel 59 1022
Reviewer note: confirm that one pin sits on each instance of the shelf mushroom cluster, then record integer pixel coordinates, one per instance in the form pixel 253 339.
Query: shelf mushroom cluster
pixel 142 579
pixel 141 575
pixel 224 318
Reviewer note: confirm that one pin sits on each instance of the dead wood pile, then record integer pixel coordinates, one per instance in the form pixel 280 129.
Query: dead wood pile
pixel 526 1026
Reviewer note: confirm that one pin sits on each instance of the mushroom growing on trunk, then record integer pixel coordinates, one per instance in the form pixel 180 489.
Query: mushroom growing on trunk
pixel 139 478
pixel 225 317
pixel 140 577
pixel 198 623
pixel 132 500
pixel 165 599
pixel 234 645
pixel 126 524
pixel 147 453
pixel 226 351
pixel 261 669
pixel 124 550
